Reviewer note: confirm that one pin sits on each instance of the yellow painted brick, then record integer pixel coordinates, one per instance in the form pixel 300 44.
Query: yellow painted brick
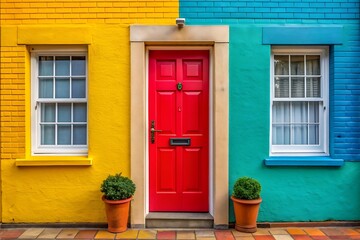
pixel 46 10
pixel 96 9
pixel 72 4
pixel 80 10
pixel 88 4
pixel 171 15
pixel 38 4
pixel 8 16
pixel 55 4
pixel 171 4
pixel 137 4
pixel 55 15
pixel 71 15
pixel 17 92
pixel 104 15
pixel 114 9
pixel 154 15
pixel 11 21
pixel 146 9
pixel 46 21
pixel 9 75
pixel 38 15
pixel 7 5
pixel 22 16
pixel 121 4
pixel 63 20
pixel 6 70
pixel 137 15
pixel 21 5
pixel 166 10
pixel 5 156
pixel 96 21
pixel 104 4
pixel 87 15
pixel 155 4
pixel 131 9
pixel 12 10
pixel 63 10
pixel 17 103
pixel 78 21
pixel 121 15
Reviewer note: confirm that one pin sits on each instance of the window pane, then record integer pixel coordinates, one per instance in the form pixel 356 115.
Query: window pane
pixel 48 134
pixel 281 112
pixel 45 88
pixel 281 64
pixel 79 135
pixel 78 88
pixel 314 112
pixel 64 135
pixel 281 87
pixel 312 65
pixel 62 88
pixel 80 112
pixel 313 87
pixel 297 87
pixel 62 66
pixel 299 112
pixel 299 134
pixel 297 65
pixel 314 134
pixel 48 112
pixel 64 112
pixel 281 134
pixel 46 66
pixel 78 66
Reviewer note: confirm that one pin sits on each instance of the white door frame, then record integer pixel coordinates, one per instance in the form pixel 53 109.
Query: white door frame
pixel 215 38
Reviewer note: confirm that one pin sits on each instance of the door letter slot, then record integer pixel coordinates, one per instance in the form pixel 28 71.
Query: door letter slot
pixel 180 141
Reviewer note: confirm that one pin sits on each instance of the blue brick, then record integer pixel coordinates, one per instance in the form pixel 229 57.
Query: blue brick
pixel 188 4
pixel 270 15
pixel 254 15
pixel 316 15
pixel 238 15
pixel 213 9
pixel 254 4
pixel 301 15
pixel 262 10
pixel 206 15
pixel 348 15
pixel 278 9
pixel 302 4
pixel 270 4
pixel 238 4
pixel 286 15
pixel 229 9
pixel 222 4
pixel 317 4
pixel 222 15
pixel 205 4
pixel 286 4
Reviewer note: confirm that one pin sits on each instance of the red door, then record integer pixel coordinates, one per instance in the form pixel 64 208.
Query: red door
pixel 179 130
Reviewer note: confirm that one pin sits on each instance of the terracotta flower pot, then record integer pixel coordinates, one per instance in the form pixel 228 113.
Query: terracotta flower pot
pixel 246 213
pixel 117 213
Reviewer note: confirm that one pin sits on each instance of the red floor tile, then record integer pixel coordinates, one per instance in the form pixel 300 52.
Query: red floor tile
pixel 264 237
pixel 86 234
pixel 11 234
pixel 224 235
pixel 166 235
pixel 320 237
pixel 333 231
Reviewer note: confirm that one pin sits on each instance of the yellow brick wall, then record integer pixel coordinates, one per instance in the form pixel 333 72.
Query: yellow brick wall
pixel 49 12
pixel 70 192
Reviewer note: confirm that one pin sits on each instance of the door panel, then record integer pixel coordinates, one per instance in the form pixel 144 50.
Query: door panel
pixel 179 109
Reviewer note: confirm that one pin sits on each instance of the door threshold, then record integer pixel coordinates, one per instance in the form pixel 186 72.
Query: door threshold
pixel 179 220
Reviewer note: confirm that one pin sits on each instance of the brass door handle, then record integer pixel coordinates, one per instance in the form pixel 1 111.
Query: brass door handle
pixel 152 131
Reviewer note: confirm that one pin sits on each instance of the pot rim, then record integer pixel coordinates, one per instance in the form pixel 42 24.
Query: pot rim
pixel 254 201
pixel 116 201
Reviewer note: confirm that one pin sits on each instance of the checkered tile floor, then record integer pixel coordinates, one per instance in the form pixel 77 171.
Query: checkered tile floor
pixel 336 233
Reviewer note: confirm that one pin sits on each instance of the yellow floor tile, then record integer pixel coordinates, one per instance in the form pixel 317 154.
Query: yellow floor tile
pixel 314 232
pixel 104 235
pixel 31 233
pixel 185 235
pixel 129 234
pixel 241 234
pixel 49 233
pixel 278 232
pixel 262 231
pixel 147 234
pixel 296 231
pixel 244 238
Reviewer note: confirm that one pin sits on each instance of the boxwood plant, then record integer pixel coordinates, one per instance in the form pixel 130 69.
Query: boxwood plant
pixel 117 187
pixel 246 188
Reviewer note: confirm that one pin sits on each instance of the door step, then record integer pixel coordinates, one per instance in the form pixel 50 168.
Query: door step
pixel 179 220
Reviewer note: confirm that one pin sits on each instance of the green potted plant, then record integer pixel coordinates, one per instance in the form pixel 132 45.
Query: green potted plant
pixel 118 191
pixel 246 199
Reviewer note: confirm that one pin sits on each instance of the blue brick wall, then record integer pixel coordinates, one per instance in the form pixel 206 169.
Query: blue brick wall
pixel 344 59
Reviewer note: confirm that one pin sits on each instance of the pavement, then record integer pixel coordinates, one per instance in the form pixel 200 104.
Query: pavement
pixel 291 233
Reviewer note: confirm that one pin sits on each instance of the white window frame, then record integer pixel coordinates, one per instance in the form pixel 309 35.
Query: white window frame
pixel 304 150
pixel 36 147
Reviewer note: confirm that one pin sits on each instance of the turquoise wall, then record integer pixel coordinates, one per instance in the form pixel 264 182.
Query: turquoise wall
pixel 289 193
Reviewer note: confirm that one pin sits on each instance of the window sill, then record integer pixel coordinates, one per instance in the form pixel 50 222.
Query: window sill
pixel 304 161
pixel 53 161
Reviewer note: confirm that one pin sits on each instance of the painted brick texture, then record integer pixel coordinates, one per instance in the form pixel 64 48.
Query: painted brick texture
pixel 12 97
pixel 344 62
pixel 126 12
